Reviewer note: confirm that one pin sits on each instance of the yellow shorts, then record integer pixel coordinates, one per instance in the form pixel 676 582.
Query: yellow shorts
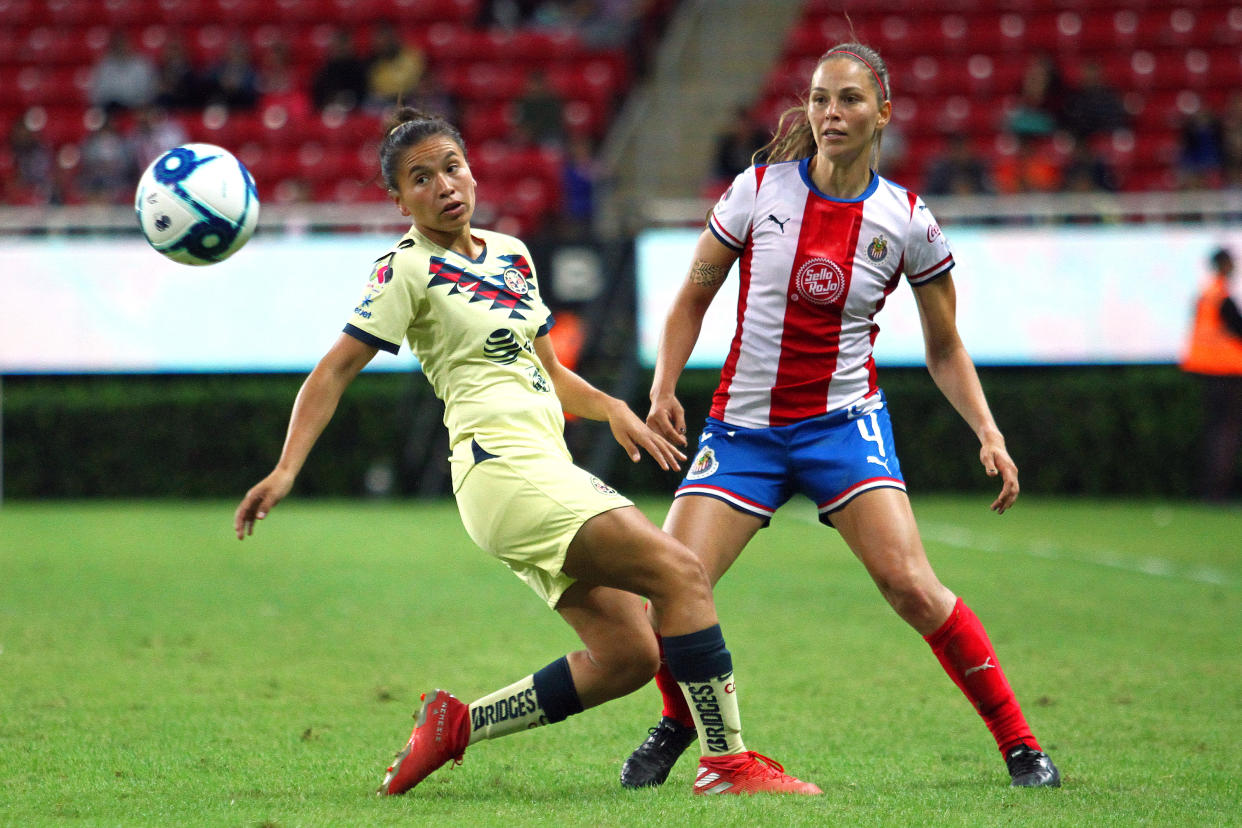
pixel 524 506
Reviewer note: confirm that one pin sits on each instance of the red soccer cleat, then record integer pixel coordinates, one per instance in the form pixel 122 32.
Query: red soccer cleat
pixel 440 734
pixel 747 773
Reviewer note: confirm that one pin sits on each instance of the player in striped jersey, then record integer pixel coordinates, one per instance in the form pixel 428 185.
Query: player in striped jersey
pixel 821 240
pixel 468 303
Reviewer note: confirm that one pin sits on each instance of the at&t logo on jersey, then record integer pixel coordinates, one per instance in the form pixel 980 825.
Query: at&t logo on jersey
pixel 704 465
pixel 820 281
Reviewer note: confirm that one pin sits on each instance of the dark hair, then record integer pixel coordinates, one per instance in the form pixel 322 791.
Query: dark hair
pixel 793 139
pixel 1220 258
pixel 406 127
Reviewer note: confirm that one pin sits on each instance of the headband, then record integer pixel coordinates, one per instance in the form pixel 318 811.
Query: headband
pixel 866 63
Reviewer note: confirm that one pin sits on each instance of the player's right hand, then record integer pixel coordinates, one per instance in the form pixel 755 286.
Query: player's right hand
pixel 668 419
pixel 260 500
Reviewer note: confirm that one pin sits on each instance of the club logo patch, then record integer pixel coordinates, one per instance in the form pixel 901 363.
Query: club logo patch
pixel 515 281
pixel 602 487
pixel 878 249
pixel 933 233
pixel 820 281
pixel 704 465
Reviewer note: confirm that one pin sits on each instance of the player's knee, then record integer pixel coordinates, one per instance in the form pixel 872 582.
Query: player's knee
pixel 916 598
pixel 686 570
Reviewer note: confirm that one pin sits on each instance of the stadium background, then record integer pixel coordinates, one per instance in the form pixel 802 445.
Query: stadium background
pixel 649 88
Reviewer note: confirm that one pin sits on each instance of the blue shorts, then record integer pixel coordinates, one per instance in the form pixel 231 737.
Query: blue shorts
pixel 831 459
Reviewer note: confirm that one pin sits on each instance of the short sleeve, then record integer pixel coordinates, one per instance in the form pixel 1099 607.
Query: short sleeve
pixel 927 253
pixel 387 307
pixel 731 219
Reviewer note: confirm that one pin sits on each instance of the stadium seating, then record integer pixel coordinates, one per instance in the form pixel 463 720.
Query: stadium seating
pixel 957 67
pixel 48 48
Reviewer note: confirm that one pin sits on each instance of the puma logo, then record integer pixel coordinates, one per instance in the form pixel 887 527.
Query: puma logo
pixel 871 458
pixel 986 665
pixel 779 223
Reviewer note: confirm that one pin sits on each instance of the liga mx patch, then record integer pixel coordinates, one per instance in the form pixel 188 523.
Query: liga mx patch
pixel 381 274
pixel 704 465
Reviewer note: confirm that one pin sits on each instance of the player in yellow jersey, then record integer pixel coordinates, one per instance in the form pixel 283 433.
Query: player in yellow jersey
pixel 468 303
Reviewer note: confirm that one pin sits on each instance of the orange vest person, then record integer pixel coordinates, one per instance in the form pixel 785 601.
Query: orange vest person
pixel 1214 354
pixel 1215 346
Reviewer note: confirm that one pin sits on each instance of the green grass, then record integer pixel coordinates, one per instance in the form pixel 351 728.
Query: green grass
pixel 154 671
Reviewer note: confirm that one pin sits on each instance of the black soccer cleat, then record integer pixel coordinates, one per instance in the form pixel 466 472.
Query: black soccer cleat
pixel 1031 768
pixel 649 764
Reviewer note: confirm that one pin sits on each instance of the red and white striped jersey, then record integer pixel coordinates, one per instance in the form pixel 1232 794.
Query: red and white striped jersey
pixel 815 270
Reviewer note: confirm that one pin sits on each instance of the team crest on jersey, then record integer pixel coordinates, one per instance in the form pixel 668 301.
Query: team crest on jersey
pixel 878 249
pixel 478 289
pixel 933 233
pixel 820 281
pixel 602 487
pixel 515 281
pixel 704 465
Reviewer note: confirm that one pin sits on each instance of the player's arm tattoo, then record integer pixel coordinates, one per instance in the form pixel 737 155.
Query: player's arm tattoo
pixel 706 274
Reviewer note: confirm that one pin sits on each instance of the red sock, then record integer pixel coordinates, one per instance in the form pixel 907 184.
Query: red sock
pixel 675 706
pixel 967 656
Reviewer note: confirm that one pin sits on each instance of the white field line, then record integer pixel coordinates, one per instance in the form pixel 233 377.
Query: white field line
pixel 958 537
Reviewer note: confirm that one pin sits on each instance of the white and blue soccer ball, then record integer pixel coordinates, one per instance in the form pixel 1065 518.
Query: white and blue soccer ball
pixel 197 204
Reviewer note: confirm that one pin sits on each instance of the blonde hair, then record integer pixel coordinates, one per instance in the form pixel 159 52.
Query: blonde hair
pixel 793 139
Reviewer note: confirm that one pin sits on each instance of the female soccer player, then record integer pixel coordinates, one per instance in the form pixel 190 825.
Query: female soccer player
pixel 468 303
pixel 822 240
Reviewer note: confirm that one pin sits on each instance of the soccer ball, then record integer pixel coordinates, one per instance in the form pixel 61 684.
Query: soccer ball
pixel 197 204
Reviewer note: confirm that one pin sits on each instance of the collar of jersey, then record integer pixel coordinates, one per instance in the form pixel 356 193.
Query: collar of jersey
pixel 482 256
pixel 804 170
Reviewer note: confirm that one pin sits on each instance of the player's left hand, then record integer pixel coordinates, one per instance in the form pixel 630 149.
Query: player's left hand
pixel 635 437
pixel 996 461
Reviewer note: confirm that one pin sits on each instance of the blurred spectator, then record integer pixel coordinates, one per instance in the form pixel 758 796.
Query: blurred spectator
pixel 123 78
pixel 1231 141
pixel 178 85
pixel 579 174
pixel 109 169
pixel 341 81
pixel 958 172
pixel 1199 155
pixel 1094 107
pixel 1031 168
pixel 1087 171
pixel 1214 354
pixel 279 88
pixel 539 113
pixel 153 134
pixel 507 14
pixel 431 96
pixel 233 81
pixel 32 182
pixel 1042 94
pixel 396 67
pixel 742 137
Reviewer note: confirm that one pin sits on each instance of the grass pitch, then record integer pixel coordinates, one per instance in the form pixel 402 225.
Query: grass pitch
pixel 154 671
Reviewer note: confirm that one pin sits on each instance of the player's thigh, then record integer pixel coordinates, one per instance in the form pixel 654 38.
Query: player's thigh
pixel 621 548
pixel 715 531
pixel 880 529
